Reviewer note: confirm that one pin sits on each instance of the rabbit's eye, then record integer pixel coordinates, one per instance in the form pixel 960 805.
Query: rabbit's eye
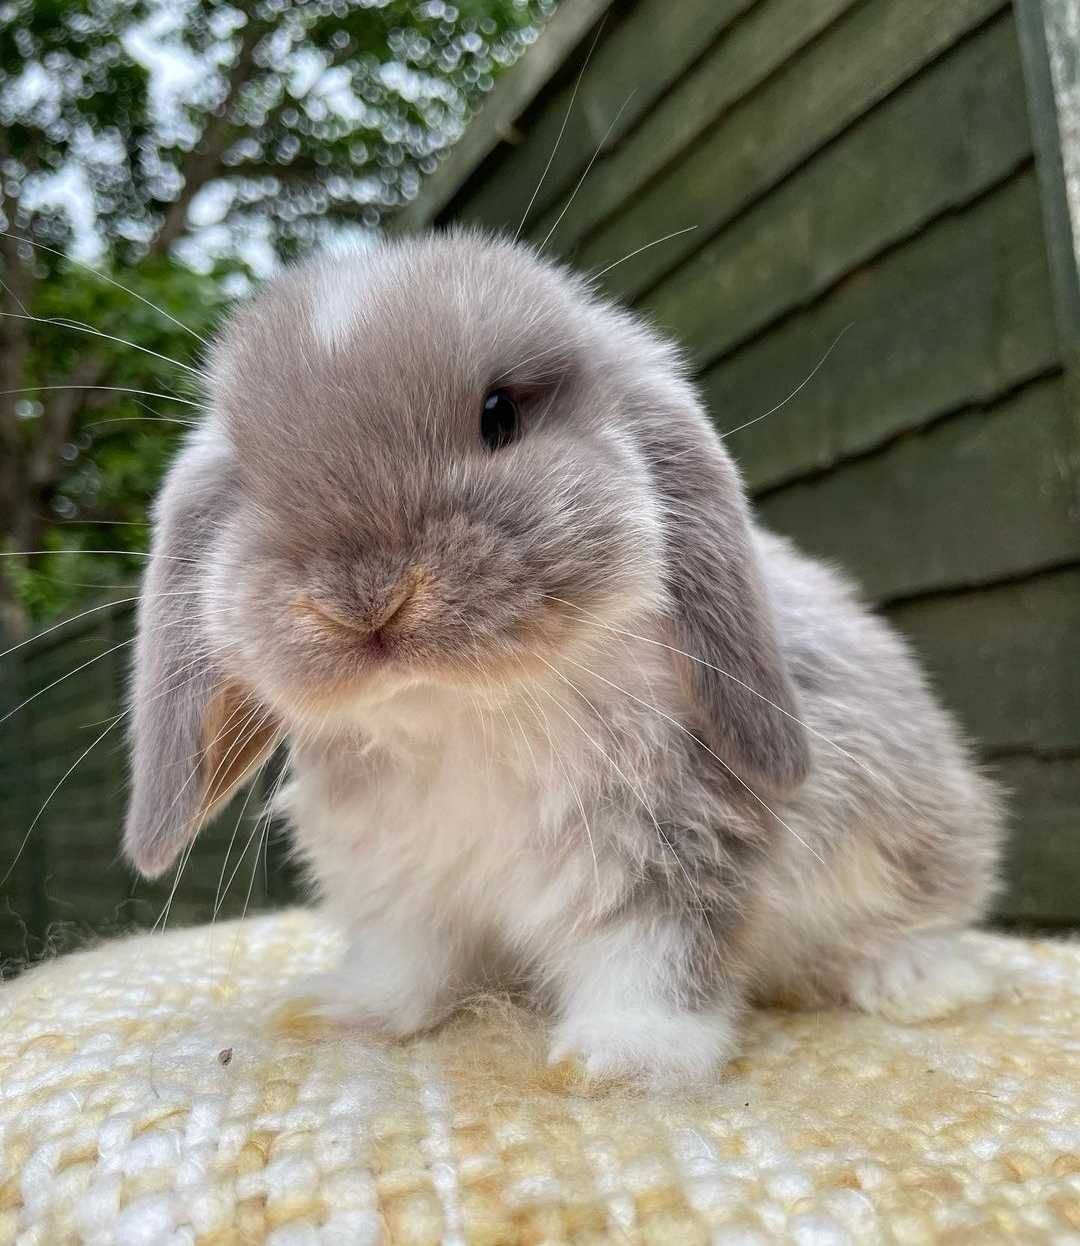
pixel 499 420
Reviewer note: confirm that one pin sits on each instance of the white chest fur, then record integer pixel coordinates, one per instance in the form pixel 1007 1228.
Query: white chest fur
pixel 474 826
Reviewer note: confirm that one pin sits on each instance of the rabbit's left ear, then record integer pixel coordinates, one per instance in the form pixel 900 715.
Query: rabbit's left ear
pixel 745 700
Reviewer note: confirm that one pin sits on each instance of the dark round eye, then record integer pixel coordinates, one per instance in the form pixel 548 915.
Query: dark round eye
pixel 499 420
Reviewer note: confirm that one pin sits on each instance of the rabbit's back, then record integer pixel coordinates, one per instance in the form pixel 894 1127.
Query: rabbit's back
pixel 899 828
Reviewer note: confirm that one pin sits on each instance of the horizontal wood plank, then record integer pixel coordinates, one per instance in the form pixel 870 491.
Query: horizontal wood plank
pixel 860 61
pixel 937 143
pixel 635 60
pixel 957 316
pixel 1043 854
pixel 754 47
pixel 980 497
pixel 511 99
pixel 1006 659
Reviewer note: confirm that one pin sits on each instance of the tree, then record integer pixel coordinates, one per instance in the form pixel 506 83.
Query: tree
pixel 183 146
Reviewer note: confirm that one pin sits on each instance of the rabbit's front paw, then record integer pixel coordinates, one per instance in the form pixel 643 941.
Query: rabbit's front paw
pixel 390 983
pixel 655 1042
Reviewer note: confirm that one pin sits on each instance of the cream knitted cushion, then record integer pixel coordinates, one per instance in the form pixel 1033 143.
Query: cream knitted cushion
pixel 151 1091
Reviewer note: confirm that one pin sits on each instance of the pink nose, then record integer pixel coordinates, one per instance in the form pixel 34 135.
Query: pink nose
pixel 386 606
pixel 376 609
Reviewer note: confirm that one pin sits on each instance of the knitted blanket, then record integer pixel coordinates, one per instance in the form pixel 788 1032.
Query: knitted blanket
pixel 153 1090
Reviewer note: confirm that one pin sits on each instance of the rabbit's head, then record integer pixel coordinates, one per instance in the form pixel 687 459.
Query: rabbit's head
pixel 444 461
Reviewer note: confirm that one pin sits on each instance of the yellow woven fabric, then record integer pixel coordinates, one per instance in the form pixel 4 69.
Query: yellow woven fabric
pixel 152 1091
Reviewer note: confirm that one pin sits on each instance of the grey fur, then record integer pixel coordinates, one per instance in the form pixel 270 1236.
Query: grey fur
pixel 343 520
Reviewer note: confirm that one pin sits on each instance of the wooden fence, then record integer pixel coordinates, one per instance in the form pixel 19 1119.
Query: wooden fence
pixel 63 783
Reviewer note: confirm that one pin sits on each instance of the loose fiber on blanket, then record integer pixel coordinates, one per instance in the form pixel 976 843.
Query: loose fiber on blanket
pixel 153 1090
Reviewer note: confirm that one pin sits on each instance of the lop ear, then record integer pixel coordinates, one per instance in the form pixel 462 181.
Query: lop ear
pixel 196 734
pixel 744 697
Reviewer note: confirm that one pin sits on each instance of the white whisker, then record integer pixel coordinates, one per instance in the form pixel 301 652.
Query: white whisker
pixel 701 743
pixel 562 128
pixel 630 255
pixel 40 246
pixel 45 804
pixel 635 789
pixel 730 432
pixel 581 180
pixel 648 640
pixel 108 337
pixel 111 389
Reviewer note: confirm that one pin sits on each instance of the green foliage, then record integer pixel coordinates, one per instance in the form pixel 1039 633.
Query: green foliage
pixel 121 443
pixel 184 147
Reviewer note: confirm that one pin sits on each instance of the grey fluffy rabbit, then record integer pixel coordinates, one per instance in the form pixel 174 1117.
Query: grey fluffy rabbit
pixel 460 532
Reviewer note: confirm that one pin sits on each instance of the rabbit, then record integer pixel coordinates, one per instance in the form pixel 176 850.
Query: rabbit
pixel 558 711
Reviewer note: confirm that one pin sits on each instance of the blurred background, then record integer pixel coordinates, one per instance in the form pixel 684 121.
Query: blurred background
pixel 857 216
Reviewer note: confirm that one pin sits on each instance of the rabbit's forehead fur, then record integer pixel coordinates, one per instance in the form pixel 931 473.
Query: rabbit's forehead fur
pixel 362 376
pixel 402 342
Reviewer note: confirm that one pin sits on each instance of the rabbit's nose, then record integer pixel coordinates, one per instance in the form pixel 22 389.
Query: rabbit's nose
pixel 388 602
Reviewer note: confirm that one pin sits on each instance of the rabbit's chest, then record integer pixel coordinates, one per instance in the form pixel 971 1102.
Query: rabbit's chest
pixel 466 833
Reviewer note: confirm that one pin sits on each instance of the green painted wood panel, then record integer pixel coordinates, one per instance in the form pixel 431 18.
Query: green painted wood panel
pixel 958 316
pixel 1005 659
pixel 770 33
pixel 980 497
pixel 1043 856
pixel 70 883
pixel 817 95
pixel 636 59
pixel 950 134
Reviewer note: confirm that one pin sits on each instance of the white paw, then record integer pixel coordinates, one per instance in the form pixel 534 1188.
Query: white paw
pixel 661 1045
pixel 925 977
pixel 344 999
pixel 390 982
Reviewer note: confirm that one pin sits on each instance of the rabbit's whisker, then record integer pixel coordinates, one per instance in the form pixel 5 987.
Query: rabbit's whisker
pixel 60 678
pixel 588 167
pixel 562 128
pixel 108 605
pixel 247 732
pixel 220 893
pixel 701 744
pixel 111 723
pixel 126 553
pixel 730 432
pixel 649 640
pixel 262 825
pixel 638 250
pixel 60 783
pixel 142 419
pixel 75 670
pixel 635 789
pixel 267 815
pixel 163 917
pixel 40 246
pixel 542 719
pixel 110 389
pixel 108 337
pixel 196 661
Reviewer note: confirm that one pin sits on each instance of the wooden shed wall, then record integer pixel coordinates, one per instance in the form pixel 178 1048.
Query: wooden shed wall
pixel 63 787
pixel 864 168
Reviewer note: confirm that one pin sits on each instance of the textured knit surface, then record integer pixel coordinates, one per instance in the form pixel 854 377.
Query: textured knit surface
pixel 154 1091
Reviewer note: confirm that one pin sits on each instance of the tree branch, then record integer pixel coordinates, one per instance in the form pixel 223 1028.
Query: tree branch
pixel 205 160
pixel 17 294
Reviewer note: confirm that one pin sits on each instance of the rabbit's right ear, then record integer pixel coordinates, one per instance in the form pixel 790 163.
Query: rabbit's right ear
pixel 196 733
